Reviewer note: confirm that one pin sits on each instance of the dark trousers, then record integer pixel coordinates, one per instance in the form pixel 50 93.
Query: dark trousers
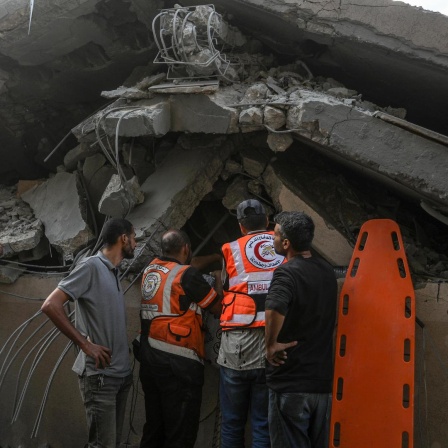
pixel 299 420
pixel 105 398
pixel 172 408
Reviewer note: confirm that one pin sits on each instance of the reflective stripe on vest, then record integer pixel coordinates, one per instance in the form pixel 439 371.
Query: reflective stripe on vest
pixel 174 349
pixel 171 329
pixel 250 262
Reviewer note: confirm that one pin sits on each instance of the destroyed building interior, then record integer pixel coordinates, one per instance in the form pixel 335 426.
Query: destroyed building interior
pixel 170 115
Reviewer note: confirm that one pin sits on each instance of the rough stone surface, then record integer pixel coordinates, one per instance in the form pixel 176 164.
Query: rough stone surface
pixel 119 199
pixel 19 237
pixel 253 162
pixel 59 205
pixel 287 196
pixel 279 142
pixel 251 119
pixel 274 118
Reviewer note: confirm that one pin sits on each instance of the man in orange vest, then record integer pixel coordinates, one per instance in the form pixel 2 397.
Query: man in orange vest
pixel 249 265
pixel 172 344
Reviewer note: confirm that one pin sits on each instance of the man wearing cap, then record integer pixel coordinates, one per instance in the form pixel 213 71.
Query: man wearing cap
pixel 247 273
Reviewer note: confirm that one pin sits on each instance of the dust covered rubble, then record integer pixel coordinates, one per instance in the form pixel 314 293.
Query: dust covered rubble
pixel 270 105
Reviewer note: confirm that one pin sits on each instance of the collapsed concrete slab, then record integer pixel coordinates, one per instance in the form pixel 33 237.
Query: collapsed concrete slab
pixel 287 196
pixel 59 204
pixel 410 162
pixel 176 188
pixel 142 119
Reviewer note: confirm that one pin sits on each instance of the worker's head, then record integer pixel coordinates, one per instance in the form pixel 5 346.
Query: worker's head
pixel 294 229
pixel 118 231
pixel 176 244
pixel 251 216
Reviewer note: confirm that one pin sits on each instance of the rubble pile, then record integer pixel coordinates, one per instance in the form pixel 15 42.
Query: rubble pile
pixel 162 148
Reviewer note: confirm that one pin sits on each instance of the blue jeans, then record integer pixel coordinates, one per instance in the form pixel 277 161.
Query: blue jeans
pixel 104 398
pixel 241 391
pixel 299 420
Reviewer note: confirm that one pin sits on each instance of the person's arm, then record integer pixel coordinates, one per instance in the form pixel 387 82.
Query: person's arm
pixel 201 262
pixel 199 291
pixel 53 307
pixel 275 351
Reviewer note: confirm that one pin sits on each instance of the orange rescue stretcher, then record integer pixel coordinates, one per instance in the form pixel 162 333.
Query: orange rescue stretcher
pixel 373 389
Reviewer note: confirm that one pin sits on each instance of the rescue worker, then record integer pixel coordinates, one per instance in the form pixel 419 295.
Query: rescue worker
pixel 172 344
pixel 249 265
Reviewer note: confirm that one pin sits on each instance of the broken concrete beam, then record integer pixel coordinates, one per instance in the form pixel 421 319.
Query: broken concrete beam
pixel 120 198
pixel 205 87
pixel 413 164
pixel 204 114
pixel 432 301
pixel 175 189
pixel 59 203
pixel 287 196
pixel 142 118
pixel 86 129
pixel 130 93
pixel 79 153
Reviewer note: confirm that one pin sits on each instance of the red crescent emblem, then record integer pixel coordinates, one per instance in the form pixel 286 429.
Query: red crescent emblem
pixel 257 252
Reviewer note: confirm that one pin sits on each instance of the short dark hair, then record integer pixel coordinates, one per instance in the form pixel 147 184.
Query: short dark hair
pixel 253 221
pixel 114 228
pixel 172 242
pixel 297 227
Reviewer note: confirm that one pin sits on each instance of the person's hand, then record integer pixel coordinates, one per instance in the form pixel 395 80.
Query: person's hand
pixel 276 353
pixel 102 355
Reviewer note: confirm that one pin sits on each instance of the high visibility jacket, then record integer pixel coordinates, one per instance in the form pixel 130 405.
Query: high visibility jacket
pixel 250 262
pixel 171 329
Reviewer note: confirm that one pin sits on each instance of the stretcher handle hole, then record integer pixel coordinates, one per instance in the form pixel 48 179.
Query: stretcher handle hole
pixel 405 439
pixel 395 241
pixel 345 300
pixel 407 350
pixel 362 241
pixel 354 268
pixel 407 308
pixel 340 389
pixel 337 434
pixel 401 268
pixel 406 394
pixel 342 345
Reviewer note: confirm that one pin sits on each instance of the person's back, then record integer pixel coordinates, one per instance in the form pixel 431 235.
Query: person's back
pixel 249 265
pixel 309 321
